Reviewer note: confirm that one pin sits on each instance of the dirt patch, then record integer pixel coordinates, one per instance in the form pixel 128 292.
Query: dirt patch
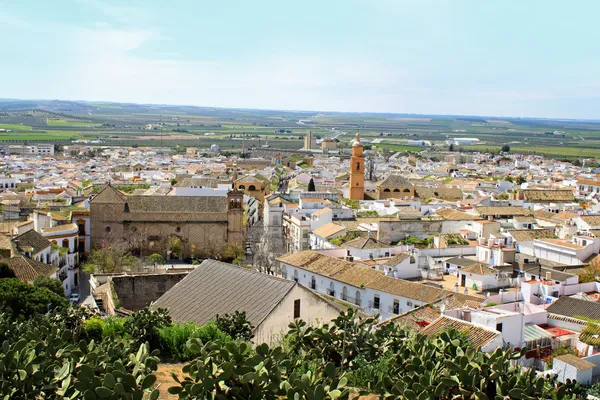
pixel 164 379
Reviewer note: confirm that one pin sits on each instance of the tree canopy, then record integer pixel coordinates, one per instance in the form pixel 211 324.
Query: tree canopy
pixel 49 283
pixel 21 299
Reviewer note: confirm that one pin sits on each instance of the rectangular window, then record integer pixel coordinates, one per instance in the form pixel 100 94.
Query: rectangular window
pixel 376 302
pixel 396 307
pixel 499 327
pixel 297 308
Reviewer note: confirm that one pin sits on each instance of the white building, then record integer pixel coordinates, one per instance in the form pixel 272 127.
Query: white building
pixel 569 252
pixel 372 291
pixel 462 141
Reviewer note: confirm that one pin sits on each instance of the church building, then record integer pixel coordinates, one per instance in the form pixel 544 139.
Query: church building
pixel 173 226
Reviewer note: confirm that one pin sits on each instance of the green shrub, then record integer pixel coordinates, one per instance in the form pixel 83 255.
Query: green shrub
pixel 235 325
pixel 174 338
pixel 143 325
pixel 114 327
pixel 93 328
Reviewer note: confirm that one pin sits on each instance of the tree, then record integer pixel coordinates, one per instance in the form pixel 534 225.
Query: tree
pixel 232 252
pixel 176 247
pixel 265 247
pixel 156 259
pixel 311 185
pixel 520 180
pixel 51 284
pixel 235 325
pixel 5 271
pixel 505 148
pixel 21 299
pixel 451 147
pixel 110 259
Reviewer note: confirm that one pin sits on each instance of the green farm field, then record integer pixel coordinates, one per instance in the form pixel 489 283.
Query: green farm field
pixel 124 124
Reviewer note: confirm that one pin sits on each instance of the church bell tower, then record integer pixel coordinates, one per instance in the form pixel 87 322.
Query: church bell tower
pixel 357 171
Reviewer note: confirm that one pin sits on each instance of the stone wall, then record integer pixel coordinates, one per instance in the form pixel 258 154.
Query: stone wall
pixel 137 291
pixel 393 231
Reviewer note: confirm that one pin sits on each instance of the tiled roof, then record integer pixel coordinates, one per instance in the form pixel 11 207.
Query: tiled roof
pixel 177 204
pixel 592 220
pixel 543 214
pixel 547 196
pixel 322 211
pixel 61 228
pixel 31 239
pixel 574 361
pixel 360 276
pixel 478 269
pixel 395 260
pixel 27 269
pixel 216 287
pixel 476 335
pixel 527 235
pixel 525 218
pixel 503 210
pixel 109 195
pixel 438 193
pixel 575 308
pixel 588 182
pixel 251 179
pixel 462 262
pixel 328 230
pixel 555 274
pixel 450 214
pixel 365 243
pixel 394 180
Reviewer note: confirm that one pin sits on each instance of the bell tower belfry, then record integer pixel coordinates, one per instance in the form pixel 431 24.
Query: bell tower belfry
pixel 357 171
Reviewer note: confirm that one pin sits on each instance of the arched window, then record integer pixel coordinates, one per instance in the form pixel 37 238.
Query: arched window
pixel 55 243
pixel 358 165
pixel 357 298
pixel 406 190
pixel 344 293
pixel 65 243
pixel 396 190
pixel 296 275
pixel 242 187
pixel 331 289
pixel 313 283
pixel 386 190
pixel 251 187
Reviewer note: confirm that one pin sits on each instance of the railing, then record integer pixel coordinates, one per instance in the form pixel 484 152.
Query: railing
pixel 394 310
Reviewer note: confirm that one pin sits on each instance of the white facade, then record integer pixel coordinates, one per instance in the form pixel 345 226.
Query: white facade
pixel 573 252
pixel 370 301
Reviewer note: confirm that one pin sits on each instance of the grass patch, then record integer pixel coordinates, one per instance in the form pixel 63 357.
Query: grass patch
pixel 63 122
pixel 15 127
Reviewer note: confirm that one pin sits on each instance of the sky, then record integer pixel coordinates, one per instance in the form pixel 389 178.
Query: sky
pixel 534 58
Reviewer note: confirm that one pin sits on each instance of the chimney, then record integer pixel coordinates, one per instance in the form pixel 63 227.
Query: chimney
pixel 466 315
pixel 548 275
